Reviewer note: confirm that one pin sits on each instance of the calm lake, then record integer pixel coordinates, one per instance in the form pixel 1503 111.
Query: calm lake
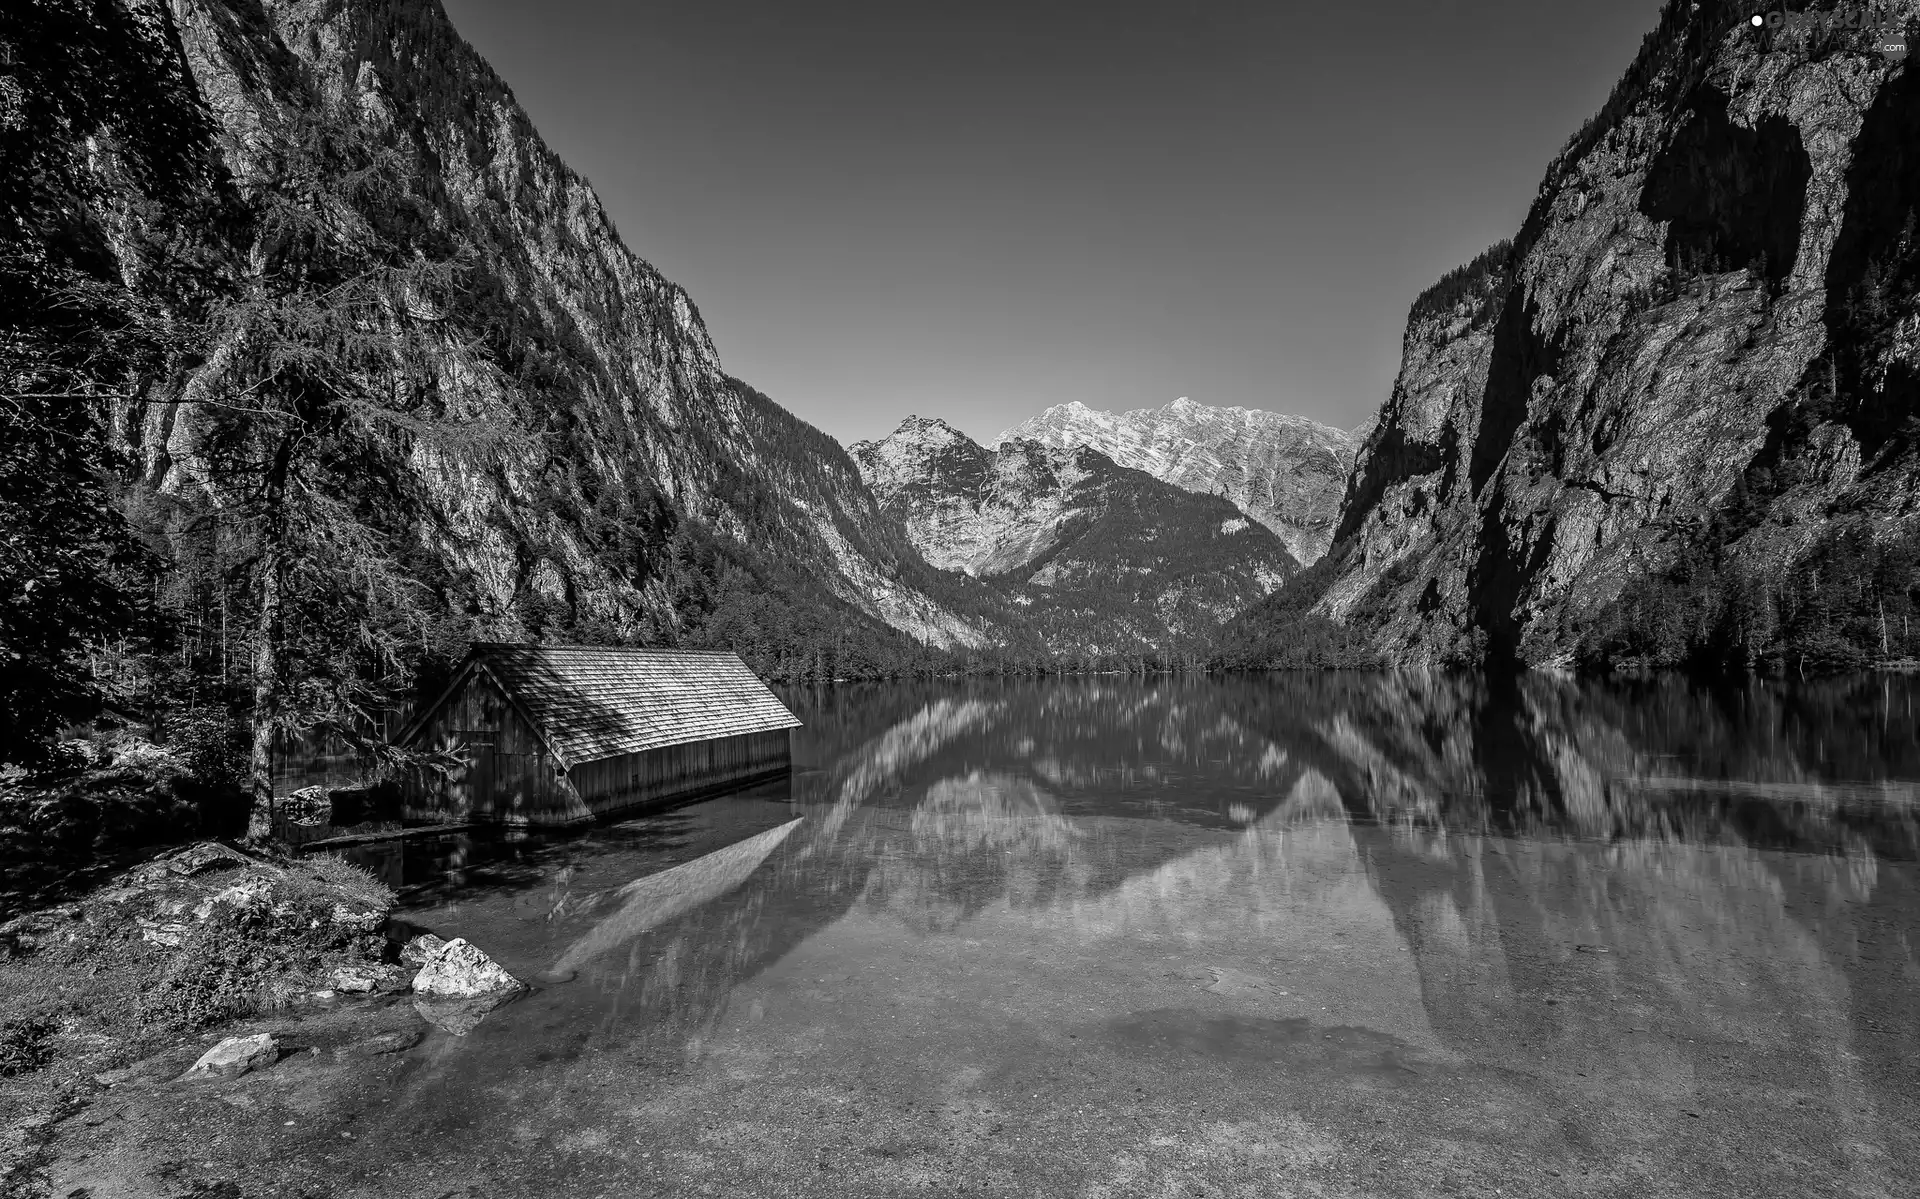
pixel 1315 935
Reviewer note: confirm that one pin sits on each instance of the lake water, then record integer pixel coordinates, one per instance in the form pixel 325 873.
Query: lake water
pixel 1314 935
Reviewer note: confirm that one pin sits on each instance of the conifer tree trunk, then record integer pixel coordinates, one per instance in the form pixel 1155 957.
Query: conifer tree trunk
pixel 266 649
pixel 266 689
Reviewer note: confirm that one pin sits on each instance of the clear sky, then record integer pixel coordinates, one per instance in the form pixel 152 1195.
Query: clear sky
pixel 974 210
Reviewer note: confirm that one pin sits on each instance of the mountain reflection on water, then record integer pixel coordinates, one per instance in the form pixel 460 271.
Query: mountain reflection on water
pixel 1828 767
pixel 1621 903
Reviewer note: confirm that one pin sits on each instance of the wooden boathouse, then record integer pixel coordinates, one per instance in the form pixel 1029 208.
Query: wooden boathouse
pixel 555 735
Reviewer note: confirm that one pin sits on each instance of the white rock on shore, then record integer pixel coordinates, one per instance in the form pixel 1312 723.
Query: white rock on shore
pixel 459 970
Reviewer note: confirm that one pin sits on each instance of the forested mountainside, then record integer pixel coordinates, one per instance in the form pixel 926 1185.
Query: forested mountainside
pixel 1102 560
pixel 318 362
pixel 1672 422
pixel 1287 472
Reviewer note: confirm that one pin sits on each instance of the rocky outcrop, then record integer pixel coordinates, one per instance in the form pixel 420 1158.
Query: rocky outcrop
pixel 419 950
pixel 1099 558
pixel 1286 472
pixel 967 508
pixel 197 937
pixel 868 556
pixel 1696 357
pixel 630 430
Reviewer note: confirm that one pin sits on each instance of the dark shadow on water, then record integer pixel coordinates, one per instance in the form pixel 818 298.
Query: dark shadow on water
pixel 439 869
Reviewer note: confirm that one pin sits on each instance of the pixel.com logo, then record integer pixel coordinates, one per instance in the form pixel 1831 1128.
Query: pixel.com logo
pixel 1890 37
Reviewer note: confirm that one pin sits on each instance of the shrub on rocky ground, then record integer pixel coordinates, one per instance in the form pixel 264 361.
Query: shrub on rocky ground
pixel 264 936
pixel 25 1043
pixel 221 972
pixel 211 745
pixel 196 937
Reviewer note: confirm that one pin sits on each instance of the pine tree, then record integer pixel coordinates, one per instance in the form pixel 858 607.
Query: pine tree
pixel 338 369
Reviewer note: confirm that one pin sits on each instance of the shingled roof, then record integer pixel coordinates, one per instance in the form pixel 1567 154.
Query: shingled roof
pixel 592 702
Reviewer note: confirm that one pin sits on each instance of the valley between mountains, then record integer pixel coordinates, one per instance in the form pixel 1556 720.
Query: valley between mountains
pixel 574 461
pixel 320 368
pixel 1670 423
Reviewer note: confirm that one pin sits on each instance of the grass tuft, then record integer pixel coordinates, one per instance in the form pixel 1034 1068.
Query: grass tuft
pixel 346 878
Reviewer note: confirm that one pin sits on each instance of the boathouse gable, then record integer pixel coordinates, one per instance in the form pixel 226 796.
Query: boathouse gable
pixel 561 734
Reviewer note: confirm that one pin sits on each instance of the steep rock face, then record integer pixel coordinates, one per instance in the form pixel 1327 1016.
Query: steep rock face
pixel 634 427
pixel 833 518
pixel 1700 346
pixel 939 482
pixel 1286 472
pixel 1067 531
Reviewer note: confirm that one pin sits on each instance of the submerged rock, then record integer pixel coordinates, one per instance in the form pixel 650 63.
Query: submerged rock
pixel 459 970
pixel 309 806
pixel 235 1056
pixel 386 1042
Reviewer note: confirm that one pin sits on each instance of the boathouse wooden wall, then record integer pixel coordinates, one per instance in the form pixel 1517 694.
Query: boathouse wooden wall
pixel 633 780
pixel 512 778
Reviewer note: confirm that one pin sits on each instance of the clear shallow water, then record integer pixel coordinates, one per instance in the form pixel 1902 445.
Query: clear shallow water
pixel 1297 935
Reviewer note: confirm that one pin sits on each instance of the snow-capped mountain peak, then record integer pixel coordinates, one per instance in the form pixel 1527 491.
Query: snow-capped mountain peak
pixel 1098 554
pixel 1287 472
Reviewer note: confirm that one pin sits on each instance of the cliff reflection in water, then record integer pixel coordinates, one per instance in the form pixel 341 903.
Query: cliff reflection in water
pixel 1833 766
pixel 1481 820
pixel 1599 906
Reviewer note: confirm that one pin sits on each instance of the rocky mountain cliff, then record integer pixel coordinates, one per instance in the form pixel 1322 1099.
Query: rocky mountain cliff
pixel 1102 558
pixel 637 450
pixel 1672 422
pixel 1286 472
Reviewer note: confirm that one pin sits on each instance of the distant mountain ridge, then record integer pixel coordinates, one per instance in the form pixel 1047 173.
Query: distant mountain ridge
pixel 1286 472
pixel 1103 558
